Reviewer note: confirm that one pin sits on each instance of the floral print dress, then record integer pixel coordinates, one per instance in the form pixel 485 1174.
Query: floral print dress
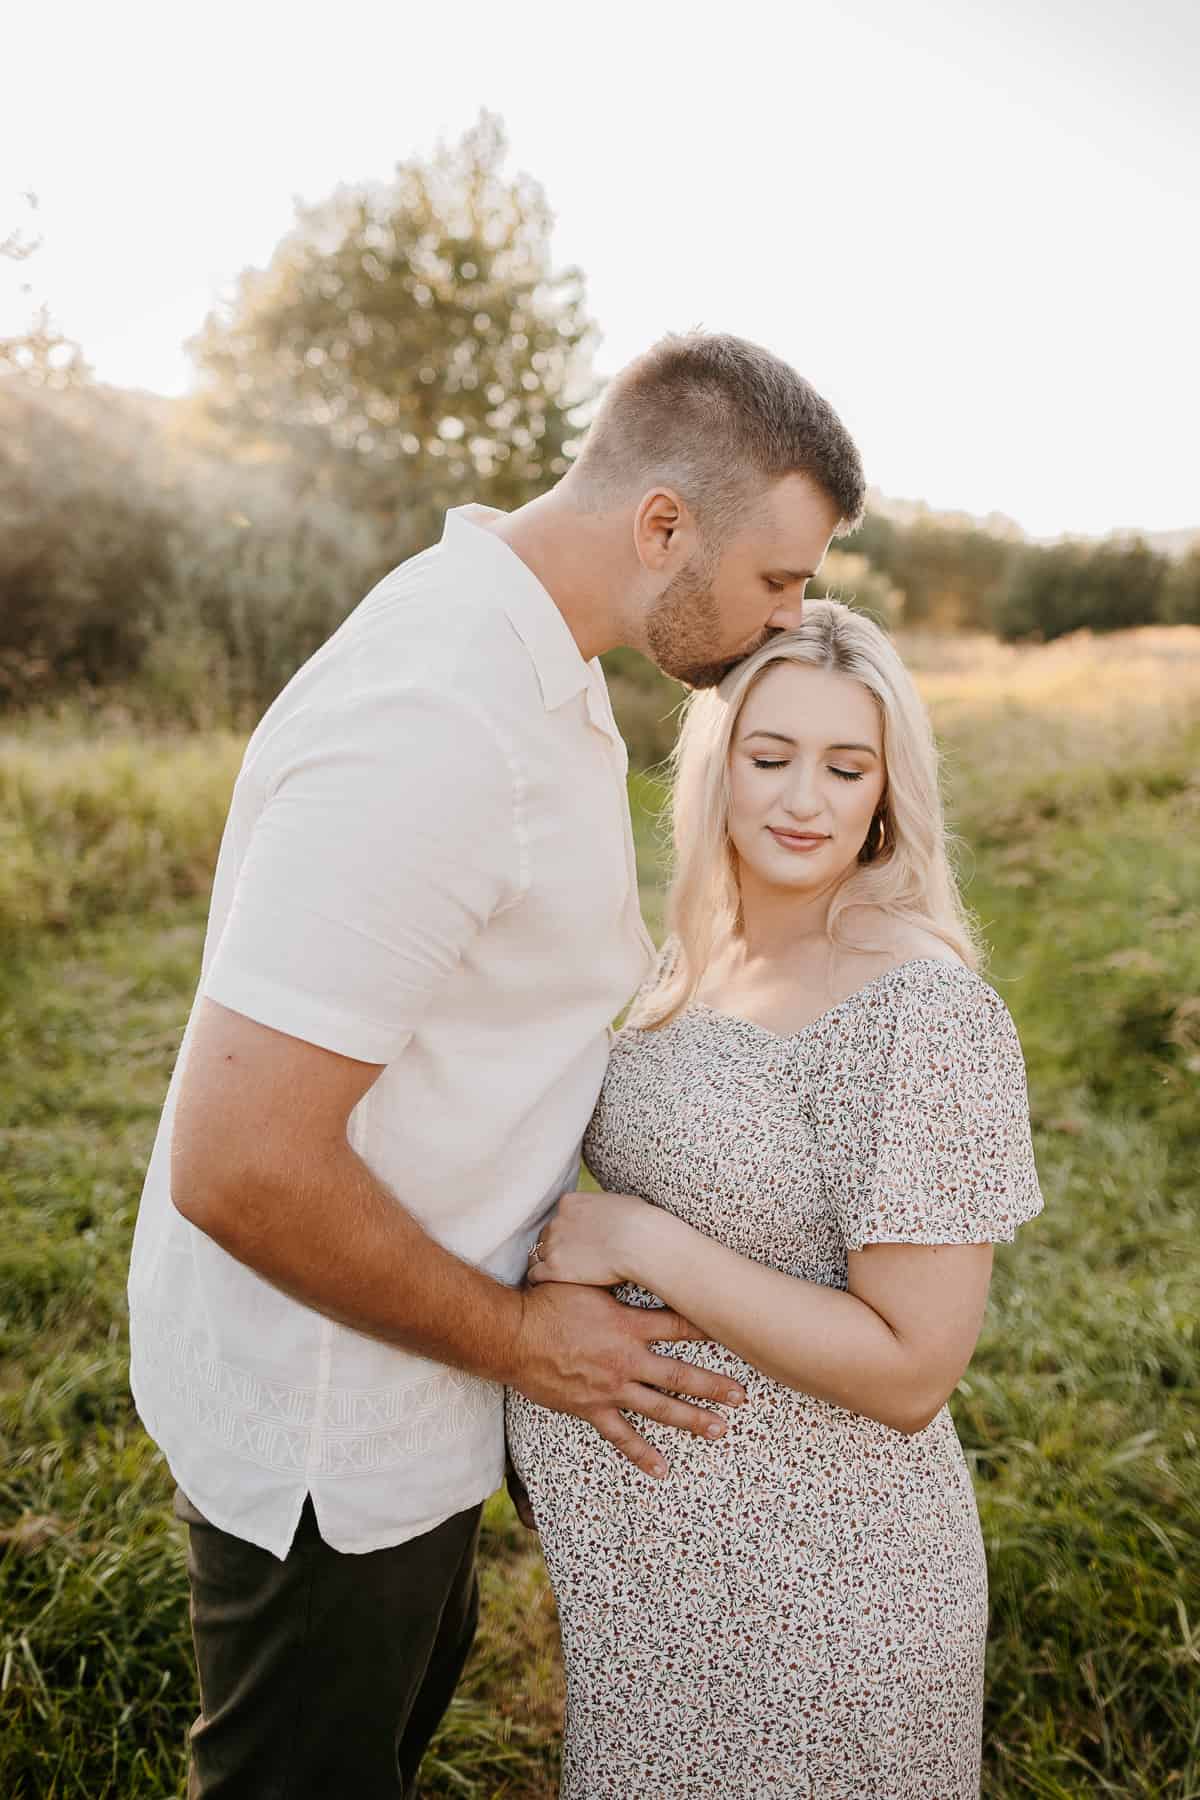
pixel 800 1608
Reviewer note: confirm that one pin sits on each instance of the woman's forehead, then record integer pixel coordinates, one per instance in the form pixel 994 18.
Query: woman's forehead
pixel 799 700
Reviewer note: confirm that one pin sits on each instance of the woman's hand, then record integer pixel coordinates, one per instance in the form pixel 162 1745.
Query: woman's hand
pixel 591 1240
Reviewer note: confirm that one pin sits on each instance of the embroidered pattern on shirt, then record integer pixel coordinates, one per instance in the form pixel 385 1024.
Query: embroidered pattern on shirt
pixel 356 1431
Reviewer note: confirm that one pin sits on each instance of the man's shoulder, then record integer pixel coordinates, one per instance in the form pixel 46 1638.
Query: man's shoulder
pixel 408 637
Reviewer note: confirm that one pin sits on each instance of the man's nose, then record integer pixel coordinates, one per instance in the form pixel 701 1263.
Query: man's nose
pixel 787 618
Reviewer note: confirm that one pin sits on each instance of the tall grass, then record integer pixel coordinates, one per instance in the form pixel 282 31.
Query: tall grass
pixel 1074 775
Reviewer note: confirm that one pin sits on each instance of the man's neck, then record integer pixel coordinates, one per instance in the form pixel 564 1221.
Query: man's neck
pixel 577 558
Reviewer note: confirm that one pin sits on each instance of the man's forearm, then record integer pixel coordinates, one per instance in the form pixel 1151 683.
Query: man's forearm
pixel 333 1236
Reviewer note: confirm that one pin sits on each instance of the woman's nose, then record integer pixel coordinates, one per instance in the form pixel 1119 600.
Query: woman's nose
pixel 800 797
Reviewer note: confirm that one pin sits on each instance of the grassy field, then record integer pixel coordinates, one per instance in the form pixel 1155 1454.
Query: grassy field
pixel 1074 775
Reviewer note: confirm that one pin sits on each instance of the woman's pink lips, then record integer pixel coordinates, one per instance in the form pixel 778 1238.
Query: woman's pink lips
pixel 798 840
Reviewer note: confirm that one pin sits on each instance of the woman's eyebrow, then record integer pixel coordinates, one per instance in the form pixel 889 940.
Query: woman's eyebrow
pixel 779 737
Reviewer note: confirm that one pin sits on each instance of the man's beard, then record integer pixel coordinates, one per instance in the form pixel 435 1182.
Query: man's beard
pixel 684 629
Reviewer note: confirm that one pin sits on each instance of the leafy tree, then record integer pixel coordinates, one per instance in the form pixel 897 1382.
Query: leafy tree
pixel 83 538
pixel 1075 586
pixel 848 575
pixel 948 570
pixel 17 247
pixel 1180 600
pixel 409 346
pixel 43 356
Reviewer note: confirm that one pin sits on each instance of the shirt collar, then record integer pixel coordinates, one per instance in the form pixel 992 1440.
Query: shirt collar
pixel 561 671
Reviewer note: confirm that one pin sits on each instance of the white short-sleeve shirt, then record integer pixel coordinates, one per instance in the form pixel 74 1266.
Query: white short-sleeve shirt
pixel 427 864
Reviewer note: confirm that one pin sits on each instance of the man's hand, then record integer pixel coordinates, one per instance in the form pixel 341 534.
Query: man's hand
pixel 579 1351
pixel 261 1163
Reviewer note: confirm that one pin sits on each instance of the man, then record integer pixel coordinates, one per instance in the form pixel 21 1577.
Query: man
pixel 424 917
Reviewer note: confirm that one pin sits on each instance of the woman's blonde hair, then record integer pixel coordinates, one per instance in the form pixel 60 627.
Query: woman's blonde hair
pixel 903 869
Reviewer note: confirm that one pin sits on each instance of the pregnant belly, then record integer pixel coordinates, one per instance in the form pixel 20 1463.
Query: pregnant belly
pixel 791 1462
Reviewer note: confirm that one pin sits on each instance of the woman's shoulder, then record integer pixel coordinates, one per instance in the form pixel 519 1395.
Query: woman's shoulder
pixel 906 964
pixel 938 1014
pixel 917 991
pixel 931 981
pixel 909 943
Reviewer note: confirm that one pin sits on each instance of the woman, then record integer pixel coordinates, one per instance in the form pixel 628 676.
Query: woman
pixel 812 1130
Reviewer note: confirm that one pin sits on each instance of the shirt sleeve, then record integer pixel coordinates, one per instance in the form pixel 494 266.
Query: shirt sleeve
pixel 386 841
pixel 923 1130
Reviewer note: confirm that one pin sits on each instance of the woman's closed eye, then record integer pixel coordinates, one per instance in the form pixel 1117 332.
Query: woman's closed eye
pixel 767 762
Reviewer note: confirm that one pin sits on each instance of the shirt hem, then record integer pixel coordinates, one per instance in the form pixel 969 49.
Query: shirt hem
pixel 278 1544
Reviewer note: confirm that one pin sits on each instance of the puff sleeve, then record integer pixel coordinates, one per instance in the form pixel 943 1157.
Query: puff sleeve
pixel 921 1114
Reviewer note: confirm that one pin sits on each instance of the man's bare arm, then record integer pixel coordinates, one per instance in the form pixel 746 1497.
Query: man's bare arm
pixel 260 1162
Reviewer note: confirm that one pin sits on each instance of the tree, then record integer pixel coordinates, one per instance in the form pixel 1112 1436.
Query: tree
pixel 41 354
pixel 847 575
pixel 408 346
pixel 16 247
pixel 948 570
pixel 1180 599
pixel 1074 586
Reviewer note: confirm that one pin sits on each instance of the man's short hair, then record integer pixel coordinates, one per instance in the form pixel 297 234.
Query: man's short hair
pixel 719 420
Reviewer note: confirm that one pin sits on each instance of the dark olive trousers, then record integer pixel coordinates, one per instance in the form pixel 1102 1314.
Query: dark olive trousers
pixel 324 1676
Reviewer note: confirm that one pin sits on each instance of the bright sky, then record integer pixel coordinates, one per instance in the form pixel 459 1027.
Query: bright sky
pixel 973 226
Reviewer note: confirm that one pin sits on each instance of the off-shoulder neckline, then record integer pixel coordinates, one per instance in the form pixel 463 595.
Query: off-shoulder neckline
pixel 790 1037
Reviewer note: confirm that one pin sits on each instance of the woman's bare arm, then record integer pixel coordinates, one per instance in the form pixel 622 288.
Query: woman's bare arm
pixel 892 1346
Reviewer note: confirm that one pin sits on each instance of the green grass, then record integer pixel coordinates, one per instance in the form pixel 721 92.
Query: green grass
pixel 1074 777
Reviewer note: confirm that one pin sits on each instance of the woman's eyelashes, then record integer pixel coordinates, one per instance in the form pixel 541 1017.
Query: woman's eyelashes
pixel 766 762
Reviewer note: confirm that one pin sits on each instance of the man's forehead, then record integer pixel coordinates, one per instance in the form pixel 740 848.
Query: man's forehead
pixel 798 498
pixel 797 516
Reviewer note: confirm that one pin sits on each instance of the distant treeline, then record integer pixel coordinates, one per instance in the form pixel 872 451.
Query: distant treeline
pixel 956 576
pixel 408 348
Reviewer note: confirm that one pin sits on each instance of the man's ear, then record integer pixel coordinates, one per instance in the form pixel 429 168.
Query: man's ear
pixel 661 524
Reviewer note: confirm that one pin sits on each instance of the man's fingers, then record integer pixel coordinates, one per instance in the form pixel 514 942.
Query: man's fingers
pixel 667 1411
pixel 659 1324
pixel 678 1376
pixel 621 1435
